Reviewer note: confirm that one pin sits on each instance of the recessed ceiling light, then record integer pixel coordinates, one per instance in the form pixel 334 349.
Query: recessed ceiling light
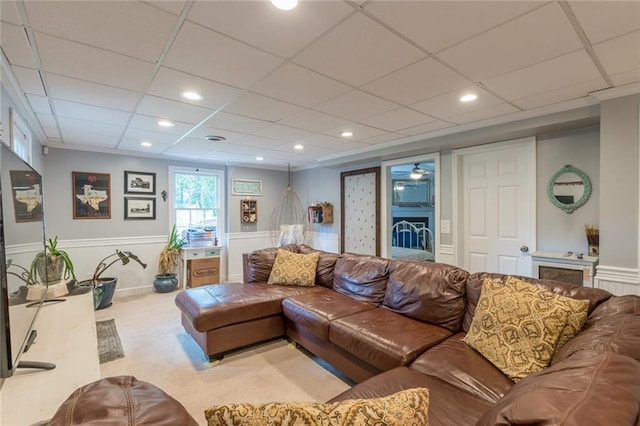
pixel 192 96
pixel 215 138
pixel 298 146
pixel 469 97
pixel 145 144
pixel 166 123
pixel 259 158
pixel 346 134
pixel 285 4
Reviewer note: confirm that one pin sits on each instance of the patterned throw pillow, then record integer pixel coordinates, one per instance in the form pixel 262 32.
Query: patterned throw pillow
pixel 578 309
pixel 405 408
pixel 516 331
pixel 294 269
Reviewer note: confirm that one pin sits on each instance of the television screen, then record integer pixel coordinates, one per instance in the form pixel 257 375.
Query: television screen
pixel 21 239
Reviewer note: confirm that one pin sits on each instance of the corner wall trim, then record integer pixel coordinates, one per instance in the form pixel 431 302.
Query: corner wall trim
pixel 617 274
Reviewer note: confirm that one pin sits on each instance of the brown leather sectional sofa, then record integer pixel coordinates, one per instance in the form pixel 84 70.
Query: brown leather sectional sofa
pixel 393 325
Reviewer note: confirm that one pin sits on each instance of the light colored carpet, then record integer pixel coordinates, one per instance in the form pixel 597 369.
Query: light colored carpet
pixel 159 351
pixel 109 346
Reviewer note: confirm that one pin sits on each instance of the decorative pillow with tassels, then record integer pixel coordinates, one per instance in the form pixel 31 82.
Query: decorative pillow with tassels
pixel 294 269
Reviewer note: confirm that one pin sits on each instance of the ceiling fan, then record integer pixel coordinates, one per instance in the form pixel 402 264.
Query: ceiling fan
pixel 417 172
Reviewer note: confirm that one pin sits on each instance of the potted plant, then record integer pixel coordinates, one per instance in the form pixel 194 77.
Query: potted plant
pixel 104 288
pixel 52 265
pixel 168 263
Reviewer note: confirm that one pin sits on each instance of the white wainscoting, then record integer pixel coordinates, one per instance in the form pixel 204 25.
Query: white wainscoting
pixel 446 254
pixel 618 281
pixel 243 242
pixel 323 241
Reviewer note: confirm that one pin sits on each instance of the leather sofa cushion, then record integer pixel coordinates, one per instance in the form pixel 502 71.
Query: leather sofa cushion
pixel 589 388
pixel 122 400
pixel 315 311
pixel 261 261
pixel 326 264
pixel 448 406
pixel 214 306
pixel 474 288
pixel 427 291
pixel 383 338
pixel 363 278
pixel 454 362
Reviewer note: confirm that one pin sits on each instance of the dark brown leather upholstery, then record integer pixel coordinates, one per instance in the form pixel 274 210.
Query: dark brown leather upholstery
pixel 260 262
pixel 362 278
pixel 326 265
pixel 383 338
pixel 427 291
pixel 121 400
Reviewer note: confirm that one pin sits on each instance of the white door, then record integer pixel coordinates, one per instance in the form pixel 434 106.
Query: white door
pixel 499 207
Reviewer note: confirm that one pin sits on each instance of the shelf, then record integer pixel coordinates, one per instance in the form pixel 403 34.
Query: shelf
pixel 321 213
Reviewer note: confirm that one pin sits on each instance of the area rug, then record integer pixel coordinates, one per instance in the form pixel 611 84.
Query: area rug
pixel 109 346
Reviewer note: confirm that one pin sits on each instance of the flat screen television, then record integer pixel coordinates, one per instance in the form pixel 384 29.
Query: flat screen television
pixel 21 238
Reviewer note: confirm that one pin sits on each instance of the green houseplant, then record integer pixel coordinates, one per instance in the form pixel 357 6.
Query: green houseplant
pixel 52 264
pixel 103 288
pixel 168 263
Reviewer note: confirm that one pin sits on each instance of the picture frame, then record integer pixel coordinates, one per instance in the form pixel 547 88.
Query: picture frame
pixel 137 208
pixel 246 187
pixel 26 188
pixel 139 183
pixel 91 193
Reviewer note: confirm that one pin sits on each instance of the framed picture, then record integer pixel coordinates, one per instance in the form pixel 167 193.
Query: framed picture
pixel 91 195
pixel 26 187
pixel 246 187
pixel 139 183
pixel 139 208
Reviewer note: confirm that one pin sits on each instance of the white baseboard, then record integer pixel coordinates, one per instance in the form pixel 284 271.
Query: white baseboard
pixel 616 280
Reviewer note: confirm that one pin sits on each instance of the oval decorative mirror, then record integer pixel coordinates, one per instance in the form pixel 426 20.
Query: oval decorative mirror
pixel 569 188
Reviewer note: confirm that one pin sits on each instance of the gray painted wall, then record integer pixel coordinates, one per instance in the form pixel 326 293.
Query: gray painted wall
pixel 619 164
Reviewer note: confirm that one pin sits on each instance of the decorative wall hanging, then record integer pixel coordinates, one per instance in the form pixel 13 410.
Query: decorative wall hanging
pixel 288 219
pixel 360 200
pixel 91 195
pixel 246 187
pixel 139 183
pixel 27 195
pixel 248 211
pixel 569 188
pixel 139 208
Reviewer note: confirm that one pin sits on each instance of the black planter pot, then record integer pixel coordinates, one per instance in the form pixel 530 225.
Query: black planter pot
pixel 165 283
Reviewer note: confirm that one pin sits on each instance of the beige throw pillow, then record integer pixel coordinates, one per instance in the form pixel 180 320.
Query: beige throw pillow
pixel 516 331
pixel 578 309
pixel 294 269
pixel 405 408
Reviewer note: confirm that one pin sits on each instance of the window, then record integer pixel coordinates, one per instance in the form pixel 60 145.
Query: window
pixel 20 138
pixel 197 198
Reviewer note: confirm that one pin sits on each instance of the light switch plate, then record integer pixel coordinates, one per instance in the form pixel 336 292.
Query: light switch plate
pixel 445 226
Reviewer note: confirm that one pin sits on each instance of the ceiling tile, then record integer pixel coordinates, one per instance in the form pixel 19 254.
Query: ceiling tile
pixel 425 128
pixel 516 44
pixel 84 139
pixel 261 107
pixel 360 132
pixel 559 72
pixel 602 20
pixel 416 82
pixel 314 121
pixel 171 6
pixel 253 22
pixel 191 147
pixel 142 31
pixel 90 113
pixel 29 80
pixel 86 92
pixel 284 133
pixel 620 54
pixel 147 122
pixel 435 25
pixel 171 84
pixel 348 56
pixel 200 51
pixel 203 131
pixel 397 119
pixel 628 77
pixel 51 132
pixel 133 137
pixel 15 45
pixel 9 12
pixel 73 125
pixel 449 105
pixel 332 143
pixel 47 120
pixel 356 105
pixel 259 142
pixel 385 137
pixel 292 83
pixel 483 114
pixel 92 64
pixel 160 107
pixel 561 94
pixel 39 104
pixel 236 123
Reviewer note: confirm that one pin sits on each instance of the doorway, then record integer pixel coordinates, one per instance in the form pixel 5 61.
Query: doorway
pixel 410 213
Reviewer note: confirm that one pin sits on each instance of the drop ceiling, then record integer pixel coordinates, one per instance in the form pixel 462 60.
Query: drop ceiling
pixel 99 75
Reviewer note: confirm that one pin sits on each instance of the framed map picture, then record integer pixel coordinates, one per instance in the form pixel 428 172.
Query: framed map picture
pixel 91 195
pixel 27 195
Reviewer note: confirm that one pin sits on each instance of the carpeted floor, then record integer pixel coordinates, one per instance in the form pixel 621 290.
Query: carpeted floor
pixel 159 351
pixel 109 346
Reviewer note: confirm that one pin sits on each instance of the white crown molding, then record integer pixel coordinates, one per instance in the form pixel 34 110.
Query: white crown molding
pixel 617 274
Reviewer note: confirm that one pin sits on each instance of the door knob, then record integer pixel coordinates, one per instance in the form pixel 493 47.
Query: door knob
pixel 524 249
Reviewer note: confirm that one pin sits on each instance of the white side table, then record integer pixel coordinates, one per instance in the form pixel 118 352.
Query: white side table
pixel 564 267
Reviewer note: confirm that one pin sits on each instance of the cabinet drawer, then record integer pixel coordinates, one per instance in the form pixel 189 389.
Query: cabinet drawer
pixel 202 252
